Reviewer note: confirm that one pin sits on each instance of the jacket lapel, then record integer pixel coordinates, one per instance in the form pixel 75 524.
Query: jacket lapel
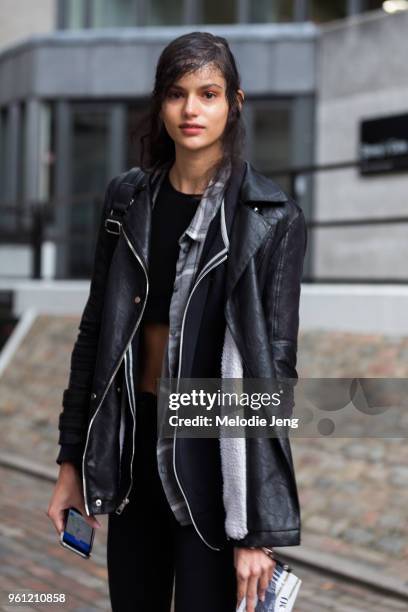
pixel 137 222
pixel 250 230
pixel 250 227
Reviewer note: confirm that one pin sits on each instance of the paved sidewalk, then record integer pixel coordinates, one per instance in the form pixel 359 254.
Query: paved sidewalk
pixel 353 493
pixel 32 559
pixel 33 562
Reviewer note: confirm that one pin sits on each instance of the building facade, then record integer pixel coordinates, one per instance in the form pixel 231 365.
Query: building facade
pixel 71 96
pixel 362 114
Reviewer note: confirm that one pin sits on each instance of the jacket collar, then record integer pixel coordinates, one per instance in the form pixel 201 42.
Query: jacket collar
pixel 257 187
pixel 250 228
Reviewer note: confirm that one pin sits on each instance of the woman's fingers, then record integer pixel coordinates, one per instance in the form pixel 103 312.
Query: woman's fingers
pixel 57 516
pixel 254 571
pixel 242 581
pixel 60 519
pixel 248 586
pixel 68 493
pixel 251 592
pixel 263 582
pixel 91 520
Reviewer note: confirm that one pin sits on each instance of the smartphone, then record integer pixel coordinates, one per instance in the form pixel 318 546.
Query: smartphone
pixel 77 535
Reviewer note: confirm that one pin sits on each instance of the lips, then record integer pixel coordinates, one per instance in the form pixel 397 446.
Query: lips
pixel 192 129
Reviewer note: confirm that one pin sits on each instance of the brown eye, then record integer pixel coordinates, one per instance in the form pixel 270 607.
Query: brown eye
pixel 210 93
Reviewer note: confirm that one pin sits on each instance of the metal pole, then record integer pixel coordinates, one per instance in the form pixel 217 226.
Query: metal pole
pixel 301 10
pixel 37 235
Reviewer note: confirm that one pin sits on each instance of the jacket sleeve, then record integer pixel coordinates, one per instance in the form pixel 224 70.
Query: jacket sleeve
pixel 281 298
pixel 73 419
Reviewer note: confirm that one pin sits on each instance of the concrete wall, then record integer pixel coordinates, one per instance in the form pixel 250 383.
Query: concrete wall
pixel 362 73
pixel 120 62
pixel 22 18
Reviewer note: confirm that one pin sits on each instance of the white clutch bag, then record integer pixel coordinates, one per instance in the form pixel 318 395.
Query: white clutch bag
pixel 281 593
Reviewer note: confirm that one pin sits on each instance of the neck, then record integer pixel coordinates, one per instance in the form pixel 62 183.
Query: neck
pixel 189 173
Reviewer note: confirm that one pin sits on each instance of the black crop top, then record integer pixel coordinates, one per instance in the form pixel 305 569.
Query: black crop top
pixel 172 214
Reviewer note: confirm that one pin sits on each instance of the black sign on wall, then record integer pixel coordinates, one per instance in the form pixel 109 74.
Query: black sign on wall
pixel 384 144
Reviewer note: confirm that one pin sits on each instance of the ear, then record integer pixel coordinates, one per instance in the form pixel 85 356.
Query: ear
pixel 241 98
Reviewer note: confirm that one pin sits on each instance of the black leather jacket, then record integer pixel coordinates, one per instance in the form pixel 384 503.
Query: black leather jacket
pixel 263 277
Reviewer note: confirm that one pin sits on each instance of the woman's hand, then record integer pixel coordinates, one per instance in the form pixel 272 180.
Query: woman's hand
pixel 254 572
pixel 68 492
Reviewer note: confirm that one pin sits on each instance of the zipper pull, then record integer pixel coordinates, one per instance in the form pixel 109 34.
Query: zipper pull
pixel 120 508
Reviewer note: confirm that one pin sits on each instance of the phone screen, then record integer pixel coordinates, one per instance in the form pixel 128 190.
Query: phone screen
pixel 78 533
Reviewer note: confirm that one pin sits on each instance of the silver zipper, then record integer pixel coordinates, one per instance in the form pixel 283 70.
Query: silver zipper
pixel 132 404
pixel 125 500
pixel 204 272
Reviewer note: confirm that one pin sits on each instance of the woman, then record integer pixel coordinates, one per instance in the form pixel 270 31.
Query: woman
pixel 204 282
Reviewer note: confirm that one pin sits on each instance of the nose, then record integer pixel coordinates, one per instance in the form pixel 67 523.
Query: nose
pixel 190 106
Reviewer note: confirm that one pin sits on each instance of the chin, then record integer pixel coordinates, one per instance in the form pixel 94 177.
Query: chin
pixel 192 146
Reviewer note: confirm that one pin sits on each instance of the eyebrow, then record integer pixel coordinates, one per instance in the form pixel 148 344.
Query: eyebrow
pixel 201 86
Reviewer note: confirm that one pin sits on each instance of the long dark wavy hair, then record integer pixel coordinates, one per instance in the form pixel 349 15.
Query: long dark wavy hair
pixel 184 55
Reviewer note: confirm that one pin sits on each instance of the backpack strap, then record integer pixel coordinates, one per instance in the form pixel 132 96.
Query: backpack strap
pixel 122 198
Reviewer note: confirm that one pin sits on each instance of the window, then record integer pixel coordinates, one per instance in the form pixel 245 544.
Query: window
pixel 74 14
pixel 12 155
pixel 46 154
pixel 135 115
pixel 265 11
pixel 271 137
pixel 321 10
pixel 90 150
pixel 21 154
pixel 117 13
pixel 164 12
pixel 218 12
pixel 3 124
pixel 373 5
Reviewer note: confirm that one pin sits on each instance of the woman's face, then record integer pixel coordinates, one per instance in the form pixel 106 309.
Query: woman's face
pixel 195 110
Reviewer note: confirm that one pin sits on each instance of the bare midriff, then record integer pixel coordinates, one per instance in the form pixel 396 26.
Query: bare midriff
pixel 153 341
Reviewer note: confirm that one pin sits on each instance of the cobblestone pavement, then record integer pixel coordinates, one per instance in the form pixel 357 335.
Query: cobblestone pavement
pixel 341 354
pixel 32 561
pixel 353 492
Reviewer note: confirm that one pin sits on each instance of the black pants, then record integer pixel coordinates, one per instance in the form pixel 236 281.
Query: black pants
pixel 147 548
